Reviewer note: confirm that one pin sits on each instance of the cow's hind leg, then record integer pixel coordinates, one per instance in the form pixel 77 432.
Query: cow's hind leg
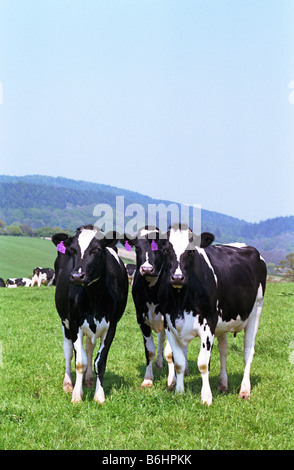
pixel 249 344
pixel 222 342
pixel 89 379
pixel 160 343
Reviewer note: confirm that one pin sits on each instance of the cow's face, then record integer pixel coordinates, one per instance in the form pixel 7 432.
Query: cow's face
pixel 149 258
pixel 179 253
pixel 87 251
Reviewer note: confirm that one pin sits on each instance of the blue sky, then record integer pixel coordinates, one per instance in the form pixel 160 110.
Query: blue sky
pixel 185 100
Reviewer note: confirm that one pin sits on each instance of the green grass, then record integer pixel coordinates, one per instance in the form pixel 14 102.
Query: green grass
pixel 20 255
pixel 35 413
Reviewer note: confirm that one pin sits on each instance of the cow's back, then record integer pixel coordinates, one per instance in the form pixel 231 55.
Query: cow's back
pixel 239 272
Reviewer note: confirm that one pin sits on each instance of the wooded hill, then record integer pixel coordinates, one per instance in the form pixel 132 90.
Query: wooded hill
pixel 39 201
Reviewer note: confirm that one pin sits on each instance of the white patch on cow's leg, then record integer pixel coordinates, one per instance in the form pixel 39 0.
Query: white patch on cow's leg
pixel 150 354
pixel 171 379
pixel 160 343
pixel 206 338
pixel 89 379
pixel 222 342
pixel 179 361
pixel 81 366
pixel 99 395
pixel 249 343
pixel 68 353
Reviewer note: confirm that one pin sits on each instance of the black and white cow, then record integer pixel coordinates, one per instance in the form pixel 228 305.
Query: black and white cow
pixel 208 292
pixel 2 283
pixel 43 275
pixel 91 295
pixel 149 262
pixel 18 282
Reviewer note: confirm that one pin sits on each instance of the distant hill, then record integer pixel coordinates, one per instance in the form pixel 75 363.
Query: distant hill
pixel 40 201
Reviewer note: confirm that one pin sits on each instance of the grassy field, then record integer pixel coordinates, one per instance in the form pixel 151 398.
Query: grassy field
pixel 35 413
pixel 20 255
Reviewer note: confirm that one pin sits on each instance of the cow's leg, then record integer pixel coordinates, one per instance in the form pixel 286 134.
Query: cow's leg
pixel 89 379
pixel 178 355
pixel 249 344
pixel 81 366
pixel 149 353
pixel 160 343
pixel 206 338
pixel 171 379
pixel 100 362
pixel 222 342
pixel 68 353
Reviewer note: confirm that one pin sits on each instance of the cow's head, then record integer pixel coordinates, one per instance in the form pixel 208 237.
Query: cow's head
pixel 149 258
pixel 179 252
pixel 87 251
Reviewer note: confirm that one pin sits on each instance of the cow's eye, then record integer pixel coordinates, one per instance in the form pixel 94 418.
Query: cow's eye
pixel 95 250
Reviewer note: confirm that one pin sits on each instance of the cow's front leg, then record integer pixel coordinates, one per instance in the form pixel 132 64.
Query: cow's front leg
pixel 178 355
pixel 206 338
pixel 100 362
pixel 81 366
pixel 149 354
pixel 68 353
pixel 171 379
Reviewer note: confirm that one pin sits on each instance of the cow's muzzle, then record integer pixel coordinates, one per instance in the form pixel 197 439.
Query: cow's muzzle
pixel 78 278
pixel 177 280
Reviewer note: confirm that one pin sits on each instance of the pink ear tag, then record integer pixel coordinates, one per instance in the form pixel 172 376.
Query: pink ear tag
pixel 127 246
pixel 61 248
pixel 154 246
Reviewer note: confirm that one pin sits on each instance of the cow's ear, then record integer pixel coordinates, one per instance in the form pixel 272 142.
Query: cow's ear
pixel 60 237
pixel 128 240
pixel 110 239
pixel 206 239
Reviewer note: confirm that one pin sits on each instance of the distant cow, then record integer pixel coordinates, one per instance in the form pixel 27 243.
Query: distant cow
pixel 91 295
pixel 2 283
pixel 209 292
pixel 42 275
pixel 18 282
pixel 131 268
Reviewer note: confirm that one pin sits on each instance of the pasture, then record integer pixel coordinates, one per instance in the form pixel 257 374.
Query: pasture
pixel 35 413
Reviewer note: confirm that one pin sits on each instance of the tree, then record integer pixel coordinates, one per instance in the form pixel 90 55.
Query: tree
pixel 286 267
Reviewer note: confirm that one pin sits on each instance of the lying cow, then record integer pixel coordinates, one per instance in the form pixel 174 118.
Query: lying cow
pixel 91 295
pixel 209 292
pixel 18 282
pixel 43 275
pixel 2 283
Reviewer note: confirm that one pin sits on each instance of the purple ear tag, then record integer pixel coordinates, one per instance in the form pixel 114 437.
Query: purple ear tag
pixel 127 246
pixel 154 246
pixel 61 248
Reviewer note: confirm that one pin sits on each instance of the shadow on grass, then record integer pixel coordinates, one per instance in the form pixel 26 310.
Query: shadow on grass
pixel 193 381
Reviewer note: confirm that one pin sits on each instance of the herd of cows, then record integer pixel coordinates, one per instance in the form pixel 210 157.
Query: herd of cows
pixel 40 276
pixel 180 291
